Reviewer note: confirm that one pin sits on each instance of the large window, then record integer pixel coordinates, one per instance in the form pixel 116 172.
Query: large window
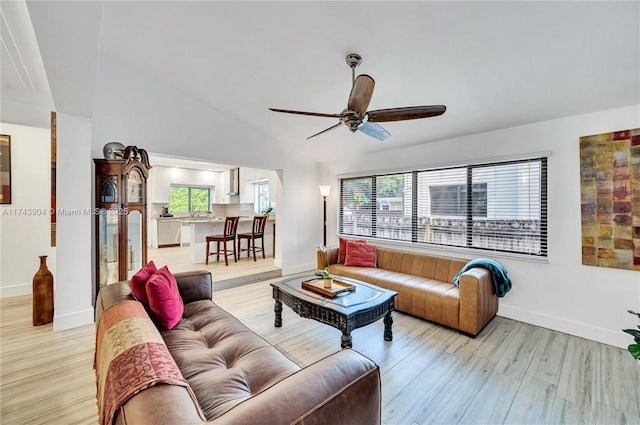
pixel 189 199
pixel 505 210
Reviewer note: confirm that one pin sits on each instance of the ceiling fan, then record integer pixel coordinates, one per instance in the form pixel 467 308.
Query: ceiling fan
pixel 357 118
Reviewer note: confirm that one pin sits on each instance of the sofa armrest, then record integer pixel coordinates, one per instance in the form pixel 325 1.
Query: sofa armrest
pixel 343 388
pixel 478 300
pixel 194 285
pixel 331 257
pixel 111 294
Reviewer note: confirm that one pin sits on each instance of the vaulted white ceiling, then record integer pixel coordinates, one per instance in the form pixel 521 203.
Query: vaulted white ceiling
pixel 493 64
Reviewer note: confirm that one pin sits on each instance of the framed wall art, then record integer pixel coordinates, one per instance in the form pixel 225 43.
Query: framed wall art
pixel 5 169
pixel 610 199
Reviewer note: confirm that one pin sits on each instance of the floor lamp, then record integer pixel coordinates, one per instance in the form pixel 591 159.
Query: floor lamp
pixel 324 192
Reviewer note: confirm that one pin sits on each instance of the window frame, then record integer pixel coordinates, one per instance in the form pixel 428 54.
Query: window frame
pixel 542 237
pixel 257 194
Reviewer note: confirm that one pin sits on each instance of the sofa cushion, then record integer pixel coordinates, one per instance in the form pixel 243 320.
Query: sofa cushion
pixel 428 298
pixel 139 281
pixel 224 362
pixel 165 302
pixel 360 254
pixel 342 251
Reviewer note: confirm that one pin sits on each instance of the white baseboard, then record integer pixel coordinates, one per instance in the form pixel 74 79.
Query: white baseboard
pixel 15 290
pixel 299 268
pixel 560 324
pixel 73 320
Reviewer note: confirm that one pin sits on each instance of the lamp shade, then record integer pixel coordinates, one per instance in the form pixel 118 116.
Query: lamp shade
pixel 324 190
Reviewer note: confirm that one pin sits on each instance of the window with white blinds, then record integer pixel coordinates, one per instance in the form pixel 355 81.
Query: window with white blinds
pixel 505 210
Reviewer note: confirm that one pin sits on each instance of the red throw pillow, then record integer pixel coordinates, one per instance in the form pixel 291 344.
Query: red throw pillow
pixel 360 254
pixel 342 251
pixel 139 281
pixel 164 299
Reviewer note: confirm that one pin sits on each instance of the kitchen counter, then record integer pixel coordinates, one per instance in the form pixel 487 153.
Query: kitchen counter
pixel 196 220
pixel 201 227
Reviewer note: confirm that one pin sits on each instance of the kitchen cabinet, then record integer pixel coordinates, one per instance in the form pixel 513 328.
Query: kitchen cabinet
pixel 183 176
pixel 221 196
pixel 185 234
pixel 121 216
pixel 206 178
pixel 248 178
pixel 169 232
pixel 160 184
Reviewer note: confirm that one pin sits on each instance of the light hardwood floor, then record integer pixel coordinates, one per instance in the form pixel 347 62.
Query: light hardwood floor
pixel 177 259
pixel 512 373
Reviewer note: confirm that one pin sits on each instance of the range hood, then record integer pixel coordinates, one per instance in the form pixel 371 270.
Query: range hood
pixel 234 181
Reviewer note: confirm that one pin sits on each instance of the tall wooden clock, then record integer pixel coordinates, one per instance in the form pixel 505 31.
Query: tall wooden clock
pixel 120 215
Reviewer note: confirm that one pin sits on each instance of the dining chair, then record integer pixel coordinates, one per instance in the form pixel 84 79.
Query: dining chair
pixel 228 235
pixel 257 232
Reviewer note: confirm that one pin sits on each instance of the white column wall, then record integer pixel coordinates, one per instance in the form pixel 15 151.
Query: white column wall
pixel 73 295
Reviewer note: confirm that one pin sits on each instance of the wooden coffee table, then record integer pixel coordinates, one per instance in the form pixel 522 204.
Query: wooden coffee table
pixel 346 311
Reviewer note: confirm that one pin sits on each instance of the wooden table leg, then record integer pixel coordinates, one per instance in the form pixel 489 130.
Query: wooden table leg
pixel 346 341
pixel 388 322
pixel 278 310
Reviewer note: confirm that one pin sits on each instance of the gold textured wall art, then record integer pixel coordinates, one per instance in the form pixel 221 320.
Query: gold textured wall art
pixel 610 199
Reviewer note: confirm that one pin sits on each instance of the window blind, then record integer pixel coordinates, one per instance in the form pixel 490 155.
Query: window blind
pixel 504 210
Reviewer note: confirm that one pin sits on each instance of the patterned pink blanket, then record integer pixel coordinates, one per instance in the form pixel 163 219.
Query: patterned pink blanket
pixel 130 357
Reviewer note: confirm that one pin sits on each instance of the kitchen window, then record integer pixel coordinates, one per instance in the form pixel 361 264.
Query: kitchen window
pixel 261 197
pixel 506 209
pixel 184 199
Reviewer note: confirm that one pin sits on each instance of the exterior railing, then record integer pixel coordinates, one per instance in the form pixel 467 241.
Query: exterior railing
pixel 515 235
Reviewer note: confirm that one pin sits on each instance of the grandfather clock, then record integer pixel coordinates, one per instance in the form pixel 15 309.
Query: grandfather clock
pixel 121 215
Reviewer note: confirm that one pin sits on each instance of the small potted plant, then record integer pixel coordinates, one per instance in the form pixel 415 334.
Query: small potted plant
pixel 634 349
pixel 328 279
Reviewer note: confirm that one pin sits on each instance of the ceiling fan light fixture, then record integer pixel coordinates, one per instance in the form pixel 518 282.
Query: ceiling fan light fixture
pixel 356 117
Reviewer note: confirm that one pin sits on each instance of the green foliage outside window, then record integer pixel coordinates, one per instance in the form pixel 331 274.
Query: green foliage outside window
pixel 358 192
pixel 391 186
pixel 183 199
pixel 199 199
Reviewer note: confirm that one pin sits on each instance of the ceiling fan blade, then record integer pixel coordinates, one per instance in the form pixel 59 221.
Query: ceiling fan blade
pixel 361 93
pixel 325 130
pixel 406 113
pixel 314 114
pixel 374 130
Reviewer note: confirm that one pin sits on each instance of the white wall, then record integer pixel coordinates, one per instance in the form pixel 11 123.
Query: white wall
pixel 73 294
pixel 25 223
pixel 562 294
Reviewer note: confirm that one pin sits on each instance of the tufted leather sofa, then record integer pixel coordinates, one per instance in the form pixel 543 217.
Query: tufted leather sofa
pixel 239 378
pixel 423 284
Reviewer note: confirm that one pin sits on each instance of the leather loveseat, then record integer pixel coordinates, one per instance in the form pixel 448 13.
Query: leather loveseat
pixel 237 377
pixel 424 286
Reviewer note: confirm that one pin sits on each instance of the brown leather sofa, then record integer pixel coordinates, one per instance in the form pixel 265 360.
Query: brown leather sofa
pixel 239 378
pixel 423 284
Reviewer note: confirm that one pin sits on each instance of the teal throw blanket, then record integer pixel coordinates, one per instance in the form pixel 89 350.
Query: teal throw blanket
pixel 501 282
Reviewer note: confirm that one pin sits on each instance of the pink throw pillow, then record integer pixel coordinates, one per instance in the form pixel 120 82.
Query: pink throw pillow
pixel 360 254
pixel 139 281
pixel 342 251
pixel 164 299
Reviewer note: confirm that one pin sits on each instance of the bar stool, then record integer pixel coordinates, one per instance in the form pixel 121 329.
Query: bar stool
pixel 257 232
pixel 230 227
